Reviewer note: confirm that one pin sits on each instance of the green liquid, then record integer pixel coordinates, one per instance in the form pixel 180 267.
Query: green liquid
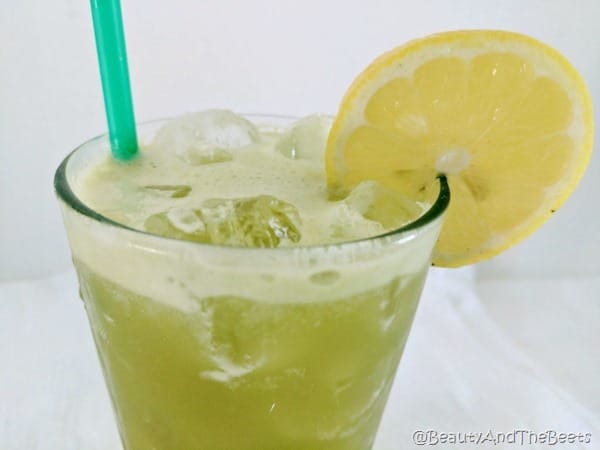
pixel 213 348
pixel 298 376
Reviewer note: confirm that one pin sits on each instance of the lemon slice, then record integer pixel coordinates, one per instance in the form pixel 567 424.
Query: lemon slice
pixel 506 118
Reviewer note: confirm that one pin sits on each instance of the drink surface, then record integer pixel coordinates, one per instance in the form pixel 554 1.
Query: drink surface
pixel 213 347
pixel 215 177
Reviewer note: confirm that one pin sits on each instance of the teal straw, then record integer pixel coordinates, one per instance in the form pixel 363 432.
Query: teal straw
pixel 112 58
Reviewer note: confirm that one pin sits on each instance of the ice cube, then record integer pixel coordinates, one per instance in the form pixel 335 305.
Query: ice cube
pixel 379 203
pixel 362 196
pixel 186 220
pixel 206 137
pixel 348 224
pixel 170 190
pixel 231 336
pixel 262 221
pixel 306 138
pixel 178 223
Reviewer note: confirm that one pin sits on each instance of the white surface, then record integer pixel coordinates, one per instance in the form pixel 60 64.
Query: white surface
pixel 284 56
pixel 492 355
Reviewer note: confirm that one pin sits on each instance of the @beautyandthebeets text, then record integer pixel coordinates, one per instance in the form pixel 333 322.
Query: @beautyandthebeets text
pixel 520 437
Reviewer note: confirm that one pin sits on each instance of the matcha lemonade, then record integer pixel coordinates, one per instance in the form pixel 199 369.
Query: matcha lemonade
pixel 235 302
pixel 248 289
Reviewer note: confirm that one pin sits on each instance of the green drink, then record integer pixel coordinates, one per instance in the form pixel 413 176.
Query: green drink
pixel 234 305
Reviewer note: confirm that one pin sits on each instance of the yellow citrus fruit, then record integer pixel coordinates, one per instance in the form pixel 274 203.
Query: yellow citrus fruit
pixel 505 117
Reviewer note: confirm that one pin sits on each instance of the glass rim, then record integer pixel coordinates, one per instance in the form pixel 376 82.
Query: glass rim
pixel 63 190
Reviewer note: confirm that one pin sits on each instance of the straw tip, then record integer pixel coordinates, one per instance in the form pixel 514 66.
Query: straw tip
pixel 124 150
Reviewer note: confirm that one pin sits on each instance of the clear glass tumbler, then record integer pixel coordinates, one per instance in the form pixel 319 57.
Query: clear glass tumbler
pixel 207 347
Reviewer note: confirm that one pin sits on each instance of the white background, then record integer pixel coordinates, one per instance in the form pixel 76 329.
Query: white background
pixel 511 343
pixel 274 56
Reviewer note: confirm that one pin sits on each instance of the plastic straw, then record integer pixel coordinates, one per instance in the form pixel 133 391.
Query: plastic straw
pixel 112 58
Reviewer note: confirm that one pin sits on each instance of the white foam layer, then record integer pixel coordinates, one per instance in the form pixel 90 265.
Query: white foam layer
pixel 179 273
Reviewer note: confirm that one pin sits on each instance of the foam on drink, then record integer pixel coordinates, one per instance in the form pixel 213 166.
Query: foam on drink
pixel 260 197
pixel 215 177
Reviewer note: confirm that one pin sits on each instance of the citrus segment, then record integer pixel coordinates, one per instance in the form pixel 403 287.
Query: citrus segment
pixel 505 117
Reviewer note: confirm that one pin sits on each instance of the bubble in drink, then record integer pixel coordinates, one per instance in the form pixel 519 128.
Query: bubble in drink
pixel 206 137
pixel 306 138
